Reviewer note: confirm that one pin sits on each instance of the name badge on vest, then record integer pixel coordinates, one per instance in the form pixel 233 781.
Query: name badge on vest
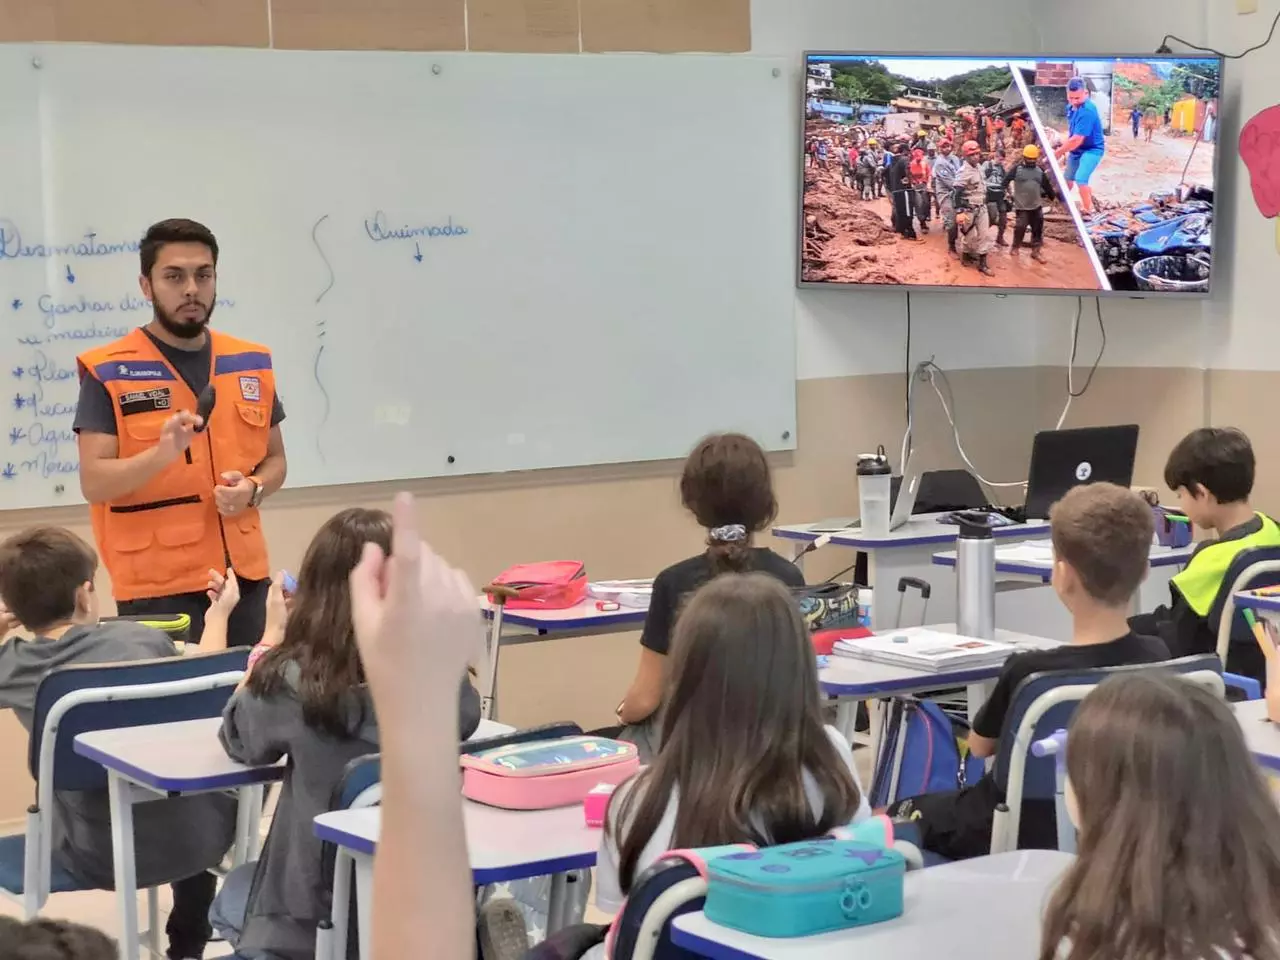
pixel 145 401
pixel 250 388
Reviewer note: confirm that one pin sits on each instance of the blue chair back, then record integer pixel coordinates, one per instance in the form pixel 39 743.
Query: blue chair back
pixel 651 885
pixel 1038 779
pixel 1241 651
pixel 73 772
pixel 361 774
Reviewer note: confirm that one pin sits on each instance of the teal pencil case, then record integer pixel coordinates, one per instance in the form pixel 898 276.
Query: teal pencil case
pixel 800 889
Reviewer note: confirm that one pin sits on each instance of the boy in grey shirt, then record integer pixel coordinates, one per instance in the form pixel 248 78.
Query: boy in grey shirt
pixel 46 587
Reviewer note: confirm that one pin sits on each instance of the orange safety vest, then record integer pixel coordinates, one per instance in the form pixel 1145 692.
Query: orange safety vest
pixel 164 538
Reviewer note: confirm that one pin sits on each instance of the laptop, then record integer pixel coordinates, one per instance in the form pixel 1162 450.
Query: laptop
pixel 902 498
pixel 1062 459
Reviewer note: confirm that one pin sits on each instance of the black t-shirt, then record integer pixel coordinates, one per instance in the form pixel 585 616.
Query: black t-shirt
pixel 1131 648
pixel 673 585
pixel 96 413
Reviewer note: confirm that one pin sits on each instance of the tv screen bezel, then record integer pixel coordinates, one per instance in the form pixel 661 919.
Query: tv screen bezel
pixel 798 156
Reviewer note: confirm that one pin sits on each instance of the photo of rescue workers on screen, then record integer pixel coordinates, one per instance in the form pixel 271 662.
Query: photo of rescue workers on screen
pixel 1054 174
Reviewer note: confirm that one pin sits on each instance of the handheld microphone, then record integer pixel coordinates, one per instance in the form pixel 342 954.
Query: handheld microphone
pixel 204 405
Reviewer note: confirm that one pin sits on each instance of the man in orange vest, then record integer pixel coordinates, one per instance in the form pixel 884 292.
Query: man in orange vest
pixel 172 496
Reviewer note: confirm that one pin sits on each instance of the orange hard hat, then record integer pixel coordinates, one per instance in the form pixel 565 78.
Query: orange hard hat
pixel 970 146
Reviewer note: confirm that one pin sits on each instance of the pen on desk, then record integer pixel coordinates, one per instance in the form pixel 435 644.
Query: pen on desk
pixel 1260 634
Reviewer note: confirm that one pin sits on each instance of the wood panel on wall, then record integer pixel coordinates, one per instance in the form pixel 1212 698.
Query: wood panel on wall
pixel 507 26
pixel 1165 402
pixel 666 26
pixel 369 24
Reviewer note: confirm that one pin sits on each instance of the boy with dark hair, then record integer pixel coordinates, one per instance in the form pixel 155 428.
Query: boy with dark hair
pixel 42 939
pixel 1101 542
pixel 46 586
pixel 1211 470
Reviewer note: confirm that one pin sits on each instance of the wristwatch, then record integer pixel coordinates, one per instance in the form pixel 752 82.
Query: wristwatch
pixel 256 499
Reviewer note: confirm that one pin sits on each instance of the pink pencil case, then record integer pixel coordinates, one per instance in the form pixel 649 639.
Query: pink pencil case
pixel 546 773
pixel 596 805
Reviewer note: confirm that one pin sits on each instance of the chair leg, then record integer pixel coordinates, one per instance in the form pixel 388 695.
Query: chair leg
pixel 339 908
pixel 153 921
pixel 122 854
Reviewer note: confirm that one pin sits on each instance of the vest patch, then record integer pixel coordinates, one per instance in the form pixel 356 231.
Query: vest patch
pixel 250 388
pixel 145 401
pixel 133 370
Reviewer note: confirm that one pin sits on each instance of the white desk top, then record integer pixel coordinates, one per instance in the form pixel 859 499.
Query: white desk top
pixel 1035 558
pixel 853 677
pixel 939 909
pixel 502 845
pixel 584 616
pixel 176 757
pixel 1261 736
pixel 1267 606
pixel 918 531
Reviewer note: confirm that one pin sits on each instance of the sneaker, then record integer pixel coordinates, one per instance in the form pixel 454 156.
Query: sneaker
pixel 502 931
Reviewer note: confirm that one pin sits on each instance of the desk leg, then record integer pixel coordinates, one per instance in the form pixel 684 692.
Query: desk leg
pixel 248 824
pixel 557 902
pixel 489 693
pixel 120 796
pixel 364 906
pixel 342 867
pixel 976 695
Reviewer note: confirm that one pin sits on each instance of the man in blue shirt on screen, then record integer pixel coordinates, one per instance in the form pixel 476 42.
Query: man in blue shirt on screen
pixel 1085 143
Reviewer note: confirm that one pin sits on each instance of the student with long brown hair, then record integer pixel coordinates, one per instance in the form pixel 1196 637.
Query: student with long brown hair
pixel 728 487
pixel 305 698
pixel 745 755
pixel 1179 837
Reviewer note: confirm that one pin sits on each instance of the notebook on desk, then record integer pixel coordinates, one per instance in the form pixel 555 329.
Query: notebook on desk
pixel 925 650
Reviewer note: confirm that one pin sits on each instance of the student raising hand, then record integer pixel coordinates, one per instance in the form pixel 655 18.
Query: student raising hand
pixel 417 619
pixel 417 624
pixel 224 594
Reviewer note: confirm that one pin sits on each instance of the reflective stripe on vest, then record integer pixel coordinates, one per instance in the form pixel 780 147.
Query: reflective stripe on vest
pixel 1202 578
pixel 163 538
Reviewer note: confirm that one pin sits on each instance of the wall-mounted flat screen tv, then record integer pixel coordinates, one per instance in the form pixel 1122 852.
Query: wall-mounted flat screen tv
pixel 1045 174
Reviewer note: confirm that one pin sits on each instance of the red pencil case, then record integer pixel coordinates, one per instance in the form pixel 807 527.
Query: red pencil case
pixel 551 585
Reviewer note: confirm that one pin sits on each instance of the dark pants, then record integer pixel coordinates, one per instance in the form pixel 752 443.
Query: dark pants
pixel 924 203
pixel 1033 219
pixel 998 214
pixel 188 927
pixel 902 214
pixel 247 620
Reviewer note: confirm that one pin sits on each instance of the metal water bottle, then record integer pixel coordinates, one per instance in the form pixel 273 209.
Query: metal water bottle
pixel 975 580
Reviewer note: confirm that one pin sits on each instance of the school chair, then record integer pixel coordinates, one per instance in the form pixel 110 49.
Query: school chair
pixel 1237 649
pixel 942 491
pixel 360 786
pixel 1042 704
pixel 84 698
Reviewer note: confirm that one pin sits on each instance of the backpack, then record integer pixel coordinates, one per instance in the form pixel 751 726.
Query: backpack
pixel 934 755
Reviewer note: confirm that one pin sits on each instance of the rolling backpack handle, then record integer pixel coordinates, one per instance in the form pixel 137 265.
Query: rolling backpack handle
pixel 925 590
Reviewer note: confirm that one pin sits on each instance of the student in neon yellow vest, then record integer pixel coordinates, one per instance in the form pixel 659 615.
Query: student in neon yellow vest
pixel 1211 470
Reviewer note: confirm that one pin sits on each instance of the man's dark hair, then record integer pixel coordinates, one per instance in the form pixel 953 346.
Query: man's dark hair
pixel 42 939
pixel 40 571
pixel 174 231
pixel 1219 459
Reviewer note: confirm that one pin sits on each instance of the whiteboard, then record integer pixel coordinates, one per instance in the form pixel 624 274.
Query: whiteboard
pixel 462 263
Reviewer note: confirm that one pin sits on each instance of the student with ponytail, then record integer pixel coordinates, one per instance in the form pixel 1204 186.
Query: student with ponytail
pixel 728 488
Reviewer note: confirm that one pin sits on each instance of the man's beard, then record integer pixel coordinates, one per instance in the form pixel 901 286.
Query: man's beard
pixel 182 327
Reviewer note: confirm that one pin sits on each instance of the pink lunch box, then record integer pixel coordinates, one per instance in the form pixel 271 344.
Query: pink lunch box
pixel 546 773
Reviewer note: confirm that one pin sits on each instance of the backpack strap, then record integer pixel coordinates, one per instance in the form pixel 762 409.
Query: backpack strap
pixel 696 858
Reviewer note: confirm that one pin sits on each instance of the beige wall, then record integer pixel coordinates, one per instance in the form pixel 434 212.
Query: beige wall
pixel 627 521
